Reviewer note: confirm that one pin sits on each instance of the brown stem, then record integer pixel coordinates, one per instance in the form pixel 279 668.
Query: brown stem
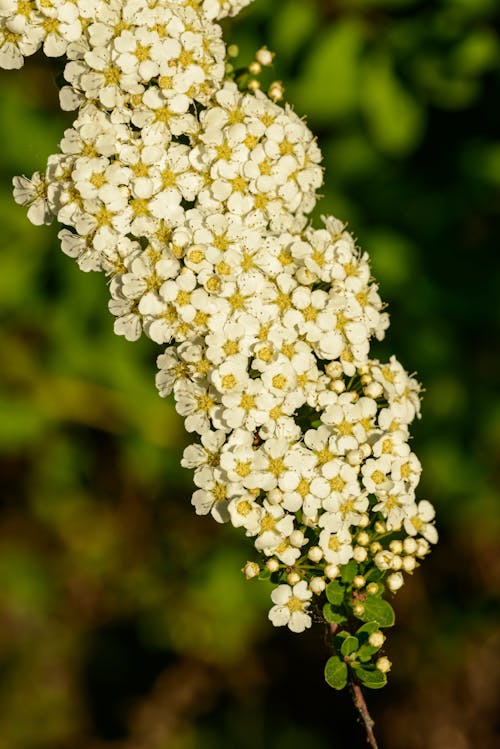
pixel 359 701
pixel 361 706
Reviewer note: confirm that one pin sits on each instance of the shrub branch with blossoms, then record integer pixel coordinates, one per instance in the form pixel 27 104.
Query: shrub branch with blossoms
pixel 190 189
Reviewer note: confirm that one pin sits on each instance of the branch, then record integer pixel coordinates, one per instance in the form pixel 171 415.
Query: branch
pixel 359 701
pixel 360 704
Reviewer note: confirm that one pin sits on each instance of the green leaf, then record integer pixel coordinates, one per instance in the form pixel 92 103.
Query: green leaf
pixel 368 628
pixel 373 679
pixel 335 592
pixel 350 645
pixel 378 610
pixel 374 575
pixel 332 615
pixel 336 672
pixel 366 651
pixel 349 571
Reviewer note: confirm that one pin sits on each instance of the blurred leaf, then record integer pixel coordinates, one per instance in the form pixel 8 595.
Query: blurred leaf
pixel 478 52
pixel 328 85
pixel 393 116
pixel 293 23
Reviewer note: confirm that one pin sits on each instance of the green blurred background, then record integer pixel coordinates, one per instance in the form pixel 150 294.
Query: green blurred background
pixel 125 622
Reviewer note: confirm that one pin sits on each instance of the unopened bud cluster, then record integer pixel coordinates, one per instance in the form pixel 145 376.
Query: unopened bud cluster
pixel 193 196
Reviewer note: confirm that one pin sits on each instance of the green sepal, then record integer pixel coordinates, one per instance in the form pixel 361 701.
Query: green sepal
pixel 335 592
pixel 336 672
pixel 350 645
pixel 349 571
pixel 333 615
pixel 264 574
pixel 378 610
pixel 373 679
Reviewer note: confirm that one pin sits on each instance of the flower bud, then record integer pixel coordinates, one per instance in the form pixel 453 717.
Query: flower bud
pixel 383 664
pixel 332 571
pixel 354 457
pixel 374 390
pixel 293 578
pixel 275 497
pixel 376 639
pixel 396 547
pixel 395 581
pixel 251 569
pixel 255 68
pixel 409 564
pixel 253 84
pixel 317 585
pixel 338 386
pixel 359 581
pixel 233 50
pixel 396 563
pixel 380 527
pixel 334 370
pixel 272 565
pixel 304 276
pixel 363 538
pixel 409 545
pixel 265 57
pixel 359 554
pixel 297 539
pixel 383 560
pixel 375 546
pixel 358 609
pixel 315 554
pixel 276 91
pixel 372 589
pixel 423 547
pixel 366 449
pixel 364 520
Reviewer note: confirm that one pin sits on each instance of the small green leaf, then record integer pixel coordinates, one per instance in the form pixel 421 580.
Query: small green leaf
pixel 374 575
pixel 368 628
pixel 366 651
pixel 349 571
pixel 378 610
pixel 372 679
pixel 350 645
pixel 335 592
pixel 333 615
pixel 336 672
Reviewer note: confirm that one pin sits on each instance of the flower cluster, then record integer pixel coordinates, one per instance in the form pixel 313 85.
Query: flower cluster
pixel 193 197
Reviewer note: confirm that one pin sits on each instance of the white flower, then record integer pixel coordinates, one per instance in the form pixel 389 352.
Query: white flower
pixel 418 521
pixel 290 607
pixel 335 541
pixel 33 192
pixel 206 453
pixel 214 496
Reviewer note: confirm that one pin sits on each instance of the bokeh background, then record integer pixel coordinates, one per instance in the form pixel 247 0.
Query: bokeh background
pixel 125 622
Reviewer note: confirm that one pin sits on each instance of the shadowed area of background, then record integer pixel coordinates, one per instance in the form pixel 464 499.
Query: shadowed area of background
pixel 125 622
